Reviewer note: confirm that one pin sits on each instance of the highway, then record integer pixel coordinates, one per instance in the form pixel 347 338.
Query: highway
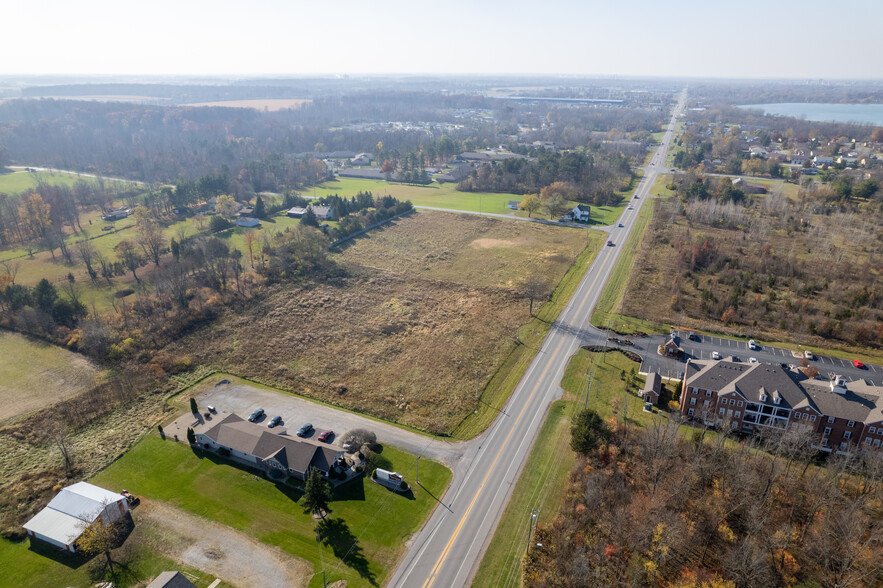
pixel 446 552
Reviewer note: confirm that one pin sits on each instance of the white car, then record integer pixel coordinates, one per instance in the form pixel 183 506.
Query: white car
pixel 808 354
pixel 752 360
pixel 751 344
pixel 715 355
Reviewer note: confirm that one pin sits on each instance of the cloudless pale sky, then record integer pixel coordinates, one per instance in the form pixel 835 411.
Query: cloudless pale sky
pixel 749 38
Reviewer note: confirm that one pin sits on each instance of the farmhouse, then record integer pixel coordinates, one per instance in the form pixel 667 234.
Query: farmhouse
pixel 581 212
pixel 840 415
pixel 276 453
pixel 296 211
pixel 71 511
pixel 362 159
pixel 323 213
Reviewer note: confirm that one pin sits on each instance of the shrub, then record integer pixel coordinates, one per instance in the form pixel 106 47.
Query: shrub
pixel 193 408
pixel 191 436
pixel 360 438
pixel 223 451
pixel 218 223
pixel 159 428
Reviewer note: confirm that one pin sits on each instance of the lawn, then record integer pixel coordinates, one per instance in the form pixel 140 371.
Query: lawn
pixel 28 366
pixel 543 479
pixel 381 521
pixel 17 182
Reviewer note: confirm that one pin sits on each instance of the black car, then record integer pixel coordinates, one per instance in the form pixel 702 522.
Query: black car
pixel 274 421
pixel 305 430
pixel 258 413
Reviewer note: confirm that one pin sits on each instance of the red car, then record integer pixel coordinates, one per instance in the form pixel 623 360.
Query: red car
pixel 325 436
pixel 857 363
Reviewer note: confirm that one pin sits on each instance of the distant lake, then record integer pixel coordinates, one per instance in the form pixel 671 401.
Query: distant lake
pixel 871 114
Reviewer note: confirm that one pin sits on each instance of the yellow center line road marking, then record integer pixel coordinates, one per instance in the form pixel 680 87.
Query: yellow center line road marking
pixel 447 549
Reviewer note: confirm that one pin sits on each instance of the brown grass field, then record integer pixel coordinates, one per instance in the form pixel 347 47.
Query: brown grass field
pixel 429 305
pixel 34 374
pixel 269 104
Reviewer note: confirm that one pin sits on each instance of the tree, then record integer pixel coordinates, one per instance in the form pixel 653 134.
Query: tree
pixel 129 257
pixel 259 210
pixel 87 253
pixel 193 408
pixel 150 235
pixel 358 438
pixel 57 432
pixel 249 246
pixel 191 436
pixel 99 537
pixel 317 494
pixel 309 218
pixel 218 223
pixel 587 432
pixel 533 288
pixel 34 213
pixel 531 203
pixel 45 295
pixel 226 206
pixel 866 188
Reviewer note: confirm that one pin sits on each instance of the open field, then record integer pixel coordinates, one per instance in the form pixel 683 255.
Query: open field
pixel 34 374
pixel 430 303
pixel 543 479
pixel 770 269
pixel 19 181
pixel 268 104
pixel 219 491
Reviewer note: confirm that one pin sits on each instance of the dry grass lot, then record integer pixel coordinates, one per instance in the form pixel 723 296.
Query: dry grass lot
pixel 428 305
pixel 34 374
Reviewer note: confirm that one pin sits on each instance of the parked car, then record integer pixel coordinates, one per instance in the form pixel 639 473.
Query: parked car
pixel 258 413
pixel 305 430
pixel 858 363
pixel 692 336
pixel 715 355
pixel 752 345
pixel 808 354
pixel 752 360
pixel 326 436
pixel 276 420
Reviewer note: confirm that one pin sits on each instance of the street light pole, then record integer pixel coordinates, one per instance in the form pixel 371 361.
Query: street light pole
pixel 417 469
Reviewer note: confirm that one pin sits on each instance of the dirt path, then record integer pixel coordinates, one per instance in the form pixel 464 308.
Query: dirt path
pixel 230 555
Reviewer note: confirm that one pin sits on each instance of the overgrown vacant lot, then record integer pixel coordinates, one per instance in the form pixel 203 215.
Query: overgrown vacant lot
pixel 34 374
pixel 769 267
pixel 427 306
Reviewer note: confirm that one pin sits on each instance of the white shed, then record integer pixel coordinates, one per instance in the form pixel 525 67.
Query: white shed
pixel 72 510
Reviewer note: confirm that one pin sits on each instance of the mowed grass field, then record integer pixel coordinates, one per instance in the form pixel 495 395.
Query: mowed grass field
pixel 370 525
pixel 19 181
pixel 429 304
pixel 34 374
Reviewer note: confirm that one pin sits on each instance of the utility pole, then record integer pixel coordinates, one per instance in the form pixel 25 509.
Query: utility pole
pixel 533 517
pixel 417 469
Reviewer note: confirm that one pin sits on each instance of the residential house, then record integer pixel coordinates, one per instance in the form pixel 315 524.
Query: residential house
pixel 749 187
pixel 323 213
pixel 246 211
pixel 820 160
pixel 758 151
pixel 275 453
pixel 513 205
pixel 171 580
pixel 798 159
pixel 244 221
pixel 652 388
pixel 580 213
pixel 362 159
pixel 296 211
pixel 671 348
pixel 73 510
pixel 749 398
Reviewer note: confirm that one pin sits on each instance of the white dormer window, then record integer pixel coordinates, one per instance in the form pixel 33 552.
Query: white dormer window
pixel 777 400
pixel 763 397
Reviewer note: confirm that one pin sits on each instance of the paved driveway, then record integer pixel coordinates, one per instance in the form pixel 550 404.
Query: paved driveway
pixel 242 399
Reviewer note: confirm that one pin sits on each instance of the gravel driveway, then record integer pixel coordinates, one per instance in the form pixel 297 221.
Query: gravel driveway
pixel 242 399
pixel 226 553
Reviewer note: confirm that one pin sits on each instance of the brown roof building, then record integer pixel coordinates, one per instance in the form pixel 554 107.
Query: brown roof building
pixel 750 397
pixel 275 452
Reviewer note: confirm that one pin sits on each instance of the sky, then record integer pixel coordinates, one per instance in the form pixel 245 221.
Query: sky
pixel 675 38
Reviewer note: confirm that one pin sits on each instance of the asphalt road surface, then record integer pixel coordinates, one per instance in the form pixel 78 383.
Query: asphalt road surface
pixel 447 550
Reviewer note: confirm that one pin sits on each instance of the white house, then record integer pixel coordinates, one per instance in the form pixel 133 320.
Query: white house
pixel 580 213
pixel 513 205
pixel 820 160
pixel 362 159
pixel 72 510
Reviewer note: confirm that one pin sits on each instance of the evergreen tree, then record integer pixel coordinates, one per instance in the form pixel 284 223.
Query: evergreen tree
pixel 259 211
pixel 191 436
pixel 309 218
pixel 193 408
pixel 317 493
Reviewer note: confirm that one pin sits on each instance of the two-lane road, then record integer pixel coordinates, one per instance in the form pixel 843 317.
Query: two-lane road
pixel 448 548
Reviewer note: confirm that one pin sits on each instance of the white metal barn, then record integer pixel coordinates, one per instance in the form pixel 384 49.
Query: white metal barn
pixel 74 508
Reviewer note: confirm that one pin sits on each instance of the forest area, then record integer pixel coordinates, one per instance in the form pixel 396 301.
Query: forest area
pixel 660 506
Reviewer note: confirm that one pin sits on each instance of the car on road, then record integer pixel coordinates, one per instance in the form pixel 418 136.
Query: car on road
pixel 631 208
pixel 715 355
pixel 808 354
pixel 620 225
pixel 610 243
pixel 276 420
pixel 326 436
pixel 305 430
pixel 858 363
pixel 752 345
pixel 256 414
pixel 752 360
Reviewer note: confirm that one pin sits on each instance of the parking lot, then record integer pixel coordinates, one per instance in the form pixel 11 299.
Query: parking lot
pixel 242 399
pixel 704 346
